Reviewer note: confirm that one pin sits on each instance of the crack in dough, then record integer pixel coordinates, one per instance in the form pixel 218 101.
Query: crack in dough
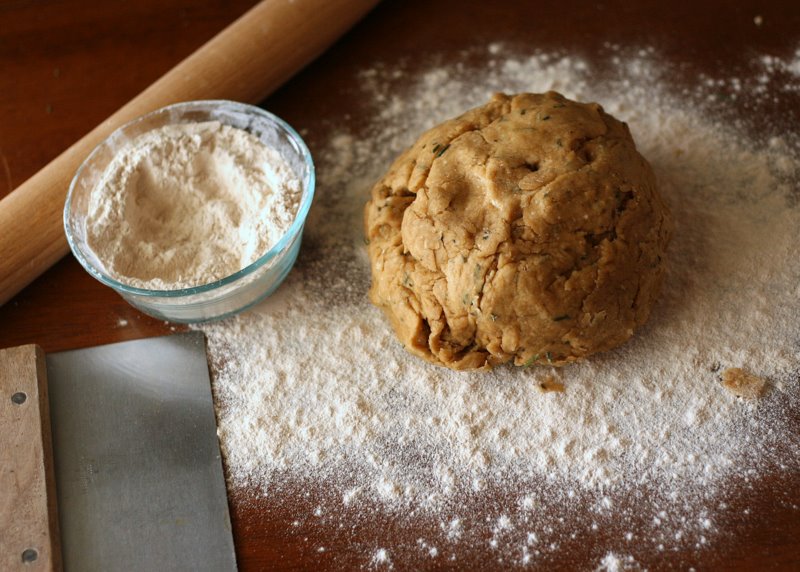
pixel 527 230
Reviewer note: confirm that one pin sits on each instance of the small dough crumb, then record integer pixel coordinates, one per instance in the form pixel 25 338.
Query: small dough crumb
pixel 551 384
pixel 743 384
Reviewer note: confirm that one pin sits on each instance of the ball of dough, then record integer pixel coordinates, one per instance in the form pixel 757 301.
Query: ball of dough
pixel 529 229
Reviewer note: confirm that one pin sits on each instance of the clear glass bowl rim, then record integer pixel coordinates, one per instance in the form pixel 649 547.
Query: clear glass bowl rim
pixel 277 248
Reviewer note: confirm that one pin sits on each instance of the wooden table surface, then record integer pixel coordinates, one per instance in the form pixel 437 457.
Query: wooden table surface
pixel 65 65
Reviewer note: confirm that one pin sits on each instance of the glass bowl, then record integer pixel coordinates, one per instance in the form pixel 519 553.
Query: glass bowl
pixel 233 293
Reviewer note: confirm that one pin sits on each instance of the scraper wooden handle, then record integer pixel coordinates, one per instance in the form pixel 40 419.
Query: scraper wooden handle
pixel 29 537
pixel 244 62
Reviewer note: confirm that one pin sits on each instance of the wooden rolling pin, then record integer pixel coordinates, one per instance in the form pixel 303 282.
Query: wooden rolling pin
pixel 245 62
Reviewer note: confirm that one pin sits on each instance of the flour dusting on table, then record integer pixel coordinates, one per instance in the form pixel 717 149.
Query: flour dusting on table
pixel 312 386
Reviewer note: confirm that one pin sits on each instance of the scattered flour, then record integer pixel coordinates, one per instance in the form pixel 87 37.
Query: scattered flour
pixel 313 389
pixel 186 205
pixel 381 559
pixel 613 563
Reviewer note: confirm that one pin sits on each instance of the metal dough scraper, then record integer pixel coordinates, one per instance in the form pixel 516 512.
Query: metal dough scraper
pixel 136 461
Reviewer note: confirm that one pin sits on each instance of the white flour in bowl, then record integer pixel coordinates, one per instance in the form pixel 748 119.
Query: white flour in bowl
pixel 313 389
pixel 188 204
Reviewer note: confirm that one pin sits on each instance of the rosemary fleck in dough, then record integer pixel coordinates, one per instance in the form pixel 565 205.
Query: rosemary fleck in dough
pixel 529 229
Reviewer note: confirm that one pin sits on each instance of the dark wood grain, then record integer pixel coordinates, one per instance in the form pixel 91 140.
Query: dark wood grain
pixel 65 65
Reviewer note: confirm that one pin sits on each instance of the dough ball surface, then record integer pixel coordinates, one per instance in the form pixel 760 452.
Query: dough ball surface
pixel 529 229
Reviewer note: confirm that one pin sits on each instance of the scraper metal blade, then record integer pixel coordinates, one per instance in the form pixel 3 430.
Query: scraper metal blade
pixel 137 462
